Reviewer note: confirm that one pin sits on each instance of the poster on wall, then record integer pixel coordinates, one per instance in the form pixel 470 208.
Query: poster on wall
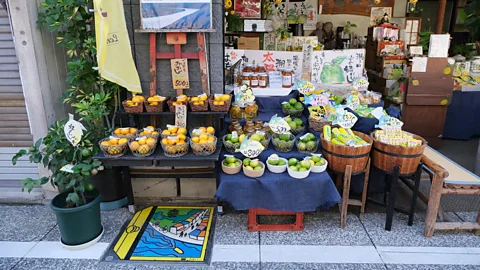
pixel 297 12
pixel 176 15
pixel 337 67
pixel 356 7
pixel 377 14
pixel 249 8
pixel 273 60
pixel 311 23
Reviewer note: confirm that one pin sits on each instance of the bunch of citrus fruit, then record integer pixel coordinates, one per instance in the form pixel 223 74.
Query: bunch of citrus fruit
pixel 126 132
pixel 204 144
pixel 174 130
pixel 143 146
pixel 135 101
pixel 175 145
pixel 199 100
pixel 149 131
pixel 155 100
pixel 182 99
pixel 202 130
pixel 220 99
pixel 113 146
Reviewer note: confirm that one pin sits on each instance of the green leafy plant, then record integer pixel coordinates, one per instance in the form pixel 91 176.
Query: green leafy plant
pixel 424 41
pixel 470 15
pixel 348 26
pixel 235 23
pixel 54 151
pixel 462 49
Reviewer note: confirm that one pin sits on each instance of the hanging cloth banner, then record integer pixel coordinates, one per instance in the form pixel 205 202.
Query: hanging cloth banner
pixel 114 54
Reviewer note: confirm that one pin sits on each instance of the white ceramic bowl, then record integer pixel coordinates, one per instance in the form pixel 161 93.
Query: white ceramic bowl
pixel 298 175
pixel 254 174
pixel 232 170
pixel 277 169
pixel 318 169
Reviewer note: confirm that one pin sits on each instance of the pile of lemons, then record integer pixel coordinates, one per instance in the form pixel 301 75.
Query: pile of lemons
pixel 149 130
pixel 199 100
pixel 128 132
pixel 114 145
pixel 181 100
pixel 155 100
pixel 143 145
pixel 135 101
pixel 220 99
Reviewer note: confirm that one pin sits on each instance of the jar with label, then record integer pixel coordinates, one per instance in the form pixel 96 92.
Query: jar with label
pixel 248 68
pixel 236 112
pixel 231 127
pixel 239 129
pixel 254 80
pixel 259 124
pixel 246 78
pixel 475 64
pixel 287 78
pixel 248 126
pixel 262 80
pixel 249 131
pixel 251 111
pixel 260 68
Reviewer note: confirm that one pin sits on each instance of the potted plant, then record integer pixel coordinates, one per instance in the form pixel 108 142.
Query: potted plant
pixel 77 206
pixel 94 99
pixel 347 30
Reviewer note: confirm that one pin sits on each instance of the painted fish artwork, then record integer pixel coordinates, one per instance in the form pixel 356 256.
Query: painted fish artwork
pixel 167 234
pixel 176 15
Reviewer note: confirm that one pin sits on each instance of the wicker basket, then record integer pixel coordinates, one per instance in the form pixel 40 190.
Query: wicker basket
pixel 266 142
pixel 133 109
pixel 198 108
pixel 298 130
pixel 307 150
pixel 230 147
pixel 128 136
pixel 156 136
pixel 171 107
pixel 282 146
pixel 339 156
pixel 175 150
pixel 220 108
pixel 158 108
pixel 140 152
pixel 204 149
pixel 113 151
pixel 317 124
pixel 292 112
pixel 386 156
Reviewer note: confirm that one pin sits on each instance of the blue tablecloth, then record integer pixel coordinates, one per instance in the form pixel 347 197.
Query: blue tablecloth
pixel 463 114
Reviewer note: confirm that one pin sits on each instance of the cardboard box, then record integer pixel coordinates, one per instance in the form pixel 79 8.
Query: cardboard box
pixel 248 43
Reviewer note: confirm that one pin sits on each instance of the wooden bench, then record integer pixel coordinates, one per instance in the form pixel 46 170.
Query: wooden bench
pixel 447 177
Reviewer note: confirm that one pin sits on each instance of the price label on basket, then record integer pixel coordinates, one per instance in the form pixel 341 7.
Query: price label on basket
pixel 388 122
pixel 250 148
pixel 348 120
pixel 304 86
pixel 181 116
pixel 353 102
pixel 278 125
pixel 360 84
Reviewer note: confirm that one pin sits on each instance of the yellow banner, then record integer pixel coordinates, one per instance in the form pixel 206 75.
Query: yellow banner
pixel 114 54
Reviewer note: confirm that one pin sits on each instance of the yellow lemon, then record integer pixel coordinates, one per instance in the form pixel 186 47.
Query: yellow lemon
pixel 151 142
pixel 133 130
pixel 143 149
pixel 134 146
pixel 217 98
pixel 118 131
pixel 113 141
pixel 195 99
pixel 164 141
pixel 221 103
pixel 203 137
pixel 182 137
pixel 123 141
pixel 165 132
pixel 105 143
pixel 225 97
pixel 195 139
pixel 205 97
pixel 173 130
pixel 182 131
pixel 147 132
pixel 181 142
pixel 210 130
pixel 216 103
pixel 151 99
pixel 137 99
pixel 153 103
pixel 203 141
pixel 142 141
pixel 151 127
pixel 211 139
pixel 154 133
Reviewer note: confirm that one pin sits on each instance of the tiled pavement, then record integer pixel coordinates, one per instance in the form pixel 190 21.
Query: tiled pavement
pixel 29 240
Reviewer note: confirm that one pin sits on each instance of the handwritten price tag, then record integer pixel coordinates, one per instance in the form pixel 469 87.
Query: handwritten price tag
pixel 181 115
pixel 353 101
pixel 73 130
pixel 251 148
pixel 278 125
pixel 348 120
pixel 360 84
pixel 180 73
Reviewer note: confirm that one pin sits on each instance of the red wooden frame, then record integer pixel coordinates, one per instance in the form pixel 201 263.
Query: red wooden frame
pixel 254 226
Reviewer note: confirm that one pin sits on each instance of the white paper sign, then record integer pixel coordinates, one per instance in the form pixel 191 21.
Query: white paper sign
pixel 73 130
pixel 307 51
pixel 419 64
pixel 275 79
pixel 181 116
pixel 416 50
pixel 439 45
pixel 311 23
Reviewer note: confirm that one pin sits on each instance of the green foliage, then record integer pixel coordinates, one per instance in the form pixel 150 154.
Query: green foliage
pixel 235 23
pixel 348 26
pixel 425 41
pixel 54 151
pixel 462 49
pixel 471 19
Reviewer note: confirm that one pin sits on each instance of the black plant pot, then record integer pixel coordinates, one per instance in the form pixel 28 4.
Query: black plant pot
pixel 109 183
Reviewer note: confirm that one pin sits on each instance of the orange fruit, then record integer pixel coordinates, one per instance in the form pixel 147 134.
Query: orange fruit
pixel 133 130
pixel 203 142
pixel 195 139
pixel 105 143
pixel 142 141
pixel 113 141
pixel 173 130
pixel 123 141
pixel 210 130
pixel 125 131
pixel 182 137
pixel 182 131
pixel 134 146
pixel 211 139
pixel 164 141
pixel 203 137
pixel 118 131
pixel 165 132
pixel 151 142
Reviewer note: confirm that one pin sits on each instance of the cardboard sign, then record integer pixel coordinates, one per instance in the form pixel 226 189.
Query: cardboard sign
pixel 180 73
pixel 181 116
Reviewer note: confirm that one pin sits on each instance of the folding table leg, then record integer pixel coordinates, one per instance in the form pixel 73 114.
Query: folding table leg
pixel 392 198
pixel 346 194
pixel 127 181
pixel 413 205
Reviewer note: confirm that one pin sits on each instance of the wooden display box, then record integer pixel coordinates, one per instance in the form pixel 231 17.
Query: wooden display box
pixel 379 84
pixel 427 121
pixel 436 68
pixel 254 226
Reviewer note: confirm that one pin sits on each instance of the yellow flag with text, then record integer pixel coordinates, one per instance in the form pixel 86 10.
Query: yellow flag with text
pixel 114 54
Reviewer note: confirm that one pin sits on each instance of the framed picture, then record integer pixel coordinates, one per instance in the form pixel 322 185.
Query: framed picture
pixel 376 14
pixel 412 30
pixel 176 15
pixel 251 9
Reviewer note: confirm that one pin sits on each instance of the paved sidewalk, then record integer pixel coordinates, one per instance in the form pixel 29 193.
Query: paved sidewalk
pixel 29 239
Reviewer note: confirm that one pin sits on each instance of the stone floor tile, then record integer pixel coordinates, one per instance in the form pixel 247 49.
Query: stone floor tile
pixel 231 229
pixel 321 266
pixel 25 223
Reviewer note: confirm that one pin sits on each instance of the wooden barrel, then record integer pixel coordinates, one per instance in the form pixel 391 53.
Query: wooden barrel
pixel 386 156
pixel 339 156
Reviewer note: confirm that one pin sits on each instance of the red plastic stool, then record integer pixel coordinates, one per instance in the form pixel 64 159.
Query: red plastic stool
pixel 254 226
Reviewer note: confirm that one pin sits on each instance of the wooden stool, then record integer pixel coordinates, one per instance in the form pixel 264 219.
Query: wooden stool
pixel 346 201
pixel 254 226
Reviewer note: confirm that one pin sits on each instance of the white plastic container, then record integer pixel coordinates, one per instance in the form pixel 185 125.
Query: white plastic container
pixel 277 169
pixel 298 175
pixel 318 169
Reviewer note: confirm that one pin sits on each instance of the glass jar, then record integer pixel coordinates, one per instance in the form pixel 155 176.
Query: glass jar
pixel 248 126
pixel 254 80
pixel 475 64
pixel 251 111
pixel 249 131
pixel 236 112
pixel 262 80
pixel 287 75
pixel 246 78
pixel 231 127
pixel 248 68
pixel 239 129
pixel 260 68
pixel 259 124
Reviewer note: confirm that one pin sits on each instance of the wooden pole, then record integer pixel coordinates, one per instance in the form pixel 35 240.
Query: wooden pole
pixel 442 4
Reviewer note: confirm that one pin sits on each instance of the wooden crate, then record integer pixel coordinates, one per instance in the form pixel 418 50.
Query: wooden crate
pixel 254 226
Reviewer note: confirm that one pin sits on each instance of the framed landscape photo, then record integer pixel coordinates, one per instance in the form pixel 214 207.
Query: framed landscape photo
pixel 176 15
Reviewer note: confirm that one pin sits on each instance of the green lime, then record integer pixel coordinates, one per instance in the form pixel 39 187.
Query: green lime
pixel 246 162
pixel 298 106
pixel 285 137
pixel 229 137
pixel 86 152
pixel 287 106
pixel 293 168
pixel 89 187
pixel 281 162
pixel 301 146
pixel 292 162
pixel 298 121
pixel 302 170
pixel 311 145
pixel 292 101
pixel 292 125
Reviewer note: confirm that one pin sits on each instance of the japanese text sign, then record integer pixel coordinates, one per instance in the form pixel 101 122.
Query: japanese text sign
pixel 180 73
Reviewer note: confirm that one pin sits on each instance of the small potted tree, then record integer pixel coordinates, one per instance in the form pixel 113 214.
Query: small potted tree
pixel 348 29
pixel 71 164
